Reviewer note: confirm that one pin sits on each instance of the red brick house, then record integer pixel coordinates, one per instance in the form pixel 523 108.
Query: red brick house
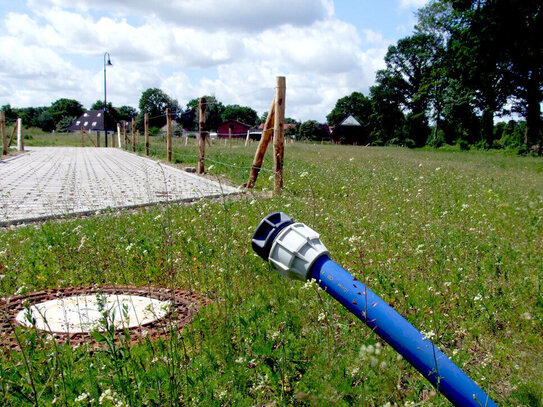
pixel 239 129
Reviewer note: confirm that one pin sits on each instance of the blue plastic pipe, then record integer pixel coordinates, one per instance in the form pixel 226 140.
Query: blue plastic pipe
pixel 448 378
pixel 271 241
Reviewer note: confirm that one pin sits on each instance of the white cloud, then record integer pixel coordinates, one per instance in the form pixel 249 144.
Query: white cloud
pixel 412 3
pixel 56 49
pixel 241 15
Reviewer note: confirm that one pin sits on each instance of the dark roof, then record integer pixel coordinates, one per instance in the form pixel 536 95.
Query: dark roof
pixel 91 120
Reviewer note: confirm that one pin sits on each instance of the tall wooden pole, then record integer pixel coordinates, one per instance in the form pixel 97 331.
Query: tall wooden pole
pixel 119 135
pixel 203 134
pixel 132 129
pixel 278 140
pixel 169 133
pixel 146 132
pixel 4 135
pixel 262 146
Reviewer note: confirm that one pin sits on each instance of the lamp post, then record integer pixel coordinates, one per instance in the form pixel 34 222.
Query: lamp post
pixel 106 63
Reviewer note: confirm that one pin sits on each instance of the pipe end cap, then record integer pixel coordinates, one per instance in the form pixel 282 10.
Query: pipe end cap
pixel 267 231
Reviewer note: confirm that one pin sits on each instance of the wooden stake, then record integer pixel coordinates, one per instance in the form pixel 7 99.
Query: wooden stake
pixel 230 136
pixel 146 133
pixel 202 139
pixel 125 136
pixel 133 133
pixel 169 133
pixel 83 131
pixel 278 139
pixel 13 133
pixel 82 139
pixel 247 139
pixel 119 134
pixel 265 139
pixel 4 136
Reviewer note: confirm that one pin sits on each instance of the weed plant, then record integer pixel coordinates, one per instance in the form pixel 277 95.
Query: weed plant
pixel 453 241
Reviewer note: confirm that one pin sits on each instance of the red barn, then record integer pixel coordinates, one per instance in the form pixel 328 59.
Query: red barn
pixel 239 129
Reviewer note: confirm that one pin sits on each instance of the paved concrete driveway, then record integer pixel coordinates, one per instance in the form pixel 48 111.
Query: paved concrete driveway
pixel 55 181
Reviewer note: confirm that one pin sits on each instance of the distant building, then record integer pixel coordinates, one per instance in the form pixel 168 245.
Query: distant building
pixel 239 129
pixel 91 120
pixel 350 131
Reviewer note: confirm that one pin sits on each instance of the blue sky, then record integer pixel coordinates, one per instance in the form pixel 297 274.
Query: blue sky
pixel 326 49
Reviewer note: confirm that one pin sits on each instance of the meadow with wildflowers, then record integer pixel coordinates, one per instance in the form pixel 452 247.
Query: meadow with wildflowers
pixel 452 240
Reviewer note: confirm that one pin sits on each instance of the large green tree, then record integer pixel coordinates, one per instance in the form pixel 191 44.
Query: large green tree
pixel 506 40
pixel 62 108
pixel 410 63
pixel 243 114
pixel 387 119
pixel 154 102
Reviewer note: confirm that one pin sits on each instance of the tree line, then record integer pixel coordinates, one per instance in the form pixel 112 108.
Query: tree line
pixel 467 63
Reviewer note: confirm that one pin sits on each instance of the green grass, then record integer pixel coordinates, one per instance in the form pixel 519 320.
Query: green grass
pixel 453 240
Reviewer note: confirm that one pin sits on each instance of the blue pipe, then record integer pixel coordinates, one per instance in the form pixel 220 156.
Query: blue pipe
pixel 297 252
pixel 394 329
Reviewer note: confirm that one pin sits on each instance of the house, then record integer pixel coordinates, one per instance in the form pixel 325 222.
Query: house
pixel 350 131
pixel 91 120
pixel 239 129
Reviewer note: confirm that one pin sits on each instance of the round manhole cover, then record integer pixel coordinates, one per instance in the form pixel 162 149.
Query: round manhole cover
pixel 73 314
pixel 86 313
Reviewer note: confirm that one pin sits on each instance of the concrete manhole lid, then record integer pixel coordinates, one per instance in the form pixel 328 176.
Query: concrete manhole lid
pixel 87 313
pixel 73 314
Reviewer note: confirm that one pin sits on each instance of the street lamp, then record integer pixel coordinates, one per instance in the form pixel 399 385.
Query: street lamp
pixel 106 63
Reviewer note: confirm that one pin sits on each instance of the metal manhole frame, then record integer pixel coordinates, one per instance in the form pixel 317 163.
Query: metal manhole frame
pixel 183 306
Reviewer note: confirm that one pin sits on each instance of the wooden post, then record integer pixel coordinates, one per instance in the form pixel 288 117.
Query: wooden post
pixel 20 142
pixel 82 139
pixel 169 133
pixel 278 140
pixel 186 137
pixel 124 136
pixel 13 133
pixel 146 133
pixel 202 139
pixel 247 139
pixel 133 134
pixel 265 139
pixel 230 136
pixel 83 131
pixel 4 136
pixel 98 135
pixel 119 134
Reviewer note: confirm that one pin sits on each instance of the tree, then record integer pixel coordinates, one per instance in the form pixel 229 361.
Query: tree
pixel 241 113
pixel 410 63
pixel 154 102
pixel 62 108
pixel 126 112
pixel 388 119
pixel 355 104
pixel 495 51
pixel 45 121
pixel 311 130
